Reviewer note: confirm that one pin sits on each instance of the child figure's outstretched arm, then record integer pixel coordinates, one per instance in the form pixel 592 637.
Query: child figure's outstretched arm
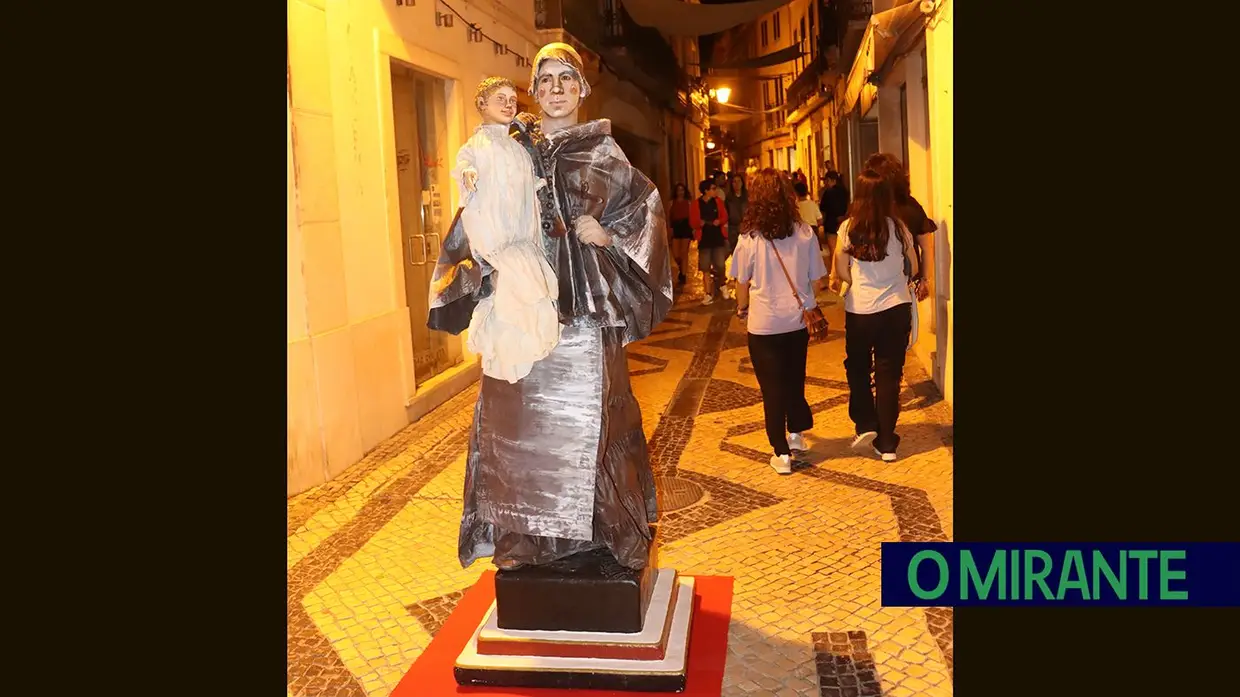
pixel 466 172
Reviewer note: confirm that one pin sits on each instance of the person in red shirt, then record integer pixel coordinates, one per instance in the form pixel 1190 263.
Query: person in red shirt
pixel 678 214
pixel 708 216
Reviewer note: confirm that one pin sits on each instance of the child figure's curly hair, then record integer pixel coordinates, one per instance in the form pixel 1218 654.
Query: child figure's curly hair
pixel 487 87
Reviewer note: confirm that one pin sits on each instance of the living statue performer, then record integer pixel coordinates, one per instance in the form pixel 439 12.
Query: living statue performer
pixel 558 463
pixel 518 323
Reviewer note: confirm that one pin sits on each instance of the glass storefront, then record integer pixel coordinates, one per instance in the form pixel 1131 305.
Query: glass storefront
pixel 422 169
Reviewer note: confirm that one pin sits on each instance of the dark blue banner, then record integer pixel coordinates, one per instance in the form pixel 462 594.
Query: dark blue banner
pixel 1065 574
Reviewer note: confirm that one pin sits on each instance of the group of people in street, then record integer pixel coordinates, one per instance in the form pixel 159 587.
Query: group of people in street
pixel 712 219
pixel 772 238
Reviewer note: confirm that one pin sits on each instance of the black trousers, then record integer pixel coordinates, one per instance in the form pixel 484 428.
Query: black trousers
pixel 779 364
pixel 876 343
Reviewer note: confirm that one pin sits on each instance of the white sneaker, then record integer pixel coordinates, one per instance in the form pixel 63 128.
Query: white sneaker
pixel 708 300
pixel 887 457
pixel 782 463
pixel 796 442
pixel 864 439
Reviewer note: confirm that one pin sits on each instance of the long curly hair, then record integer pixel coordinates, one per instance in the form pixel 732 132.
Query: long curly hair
pixel 868 217
pixel 772 211
pixel 893 170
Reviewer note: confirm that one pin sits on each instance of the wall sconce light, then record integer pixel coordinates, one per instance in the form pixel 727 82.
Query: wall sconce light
pixel 710 144
pixel 499 48
pixel 443 19
pixel 475 34
pixel 723 94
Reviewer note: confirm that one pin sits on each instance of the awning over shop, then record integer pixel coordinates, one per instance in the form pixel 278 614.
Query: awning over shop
pixel 895 33
pixel 848 91
pixel 682 19
pixel 783 55
pixel 887 35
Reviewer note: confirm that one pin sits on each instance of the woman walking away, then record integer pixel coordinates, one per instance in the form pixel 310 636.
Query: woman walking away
pixel 678 223
pixel 910 212
pixel 876 259
pixel 777 252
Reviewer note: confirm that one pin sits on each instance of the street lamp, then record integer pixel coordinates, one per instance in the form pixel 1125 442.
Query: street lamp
pixel 723 94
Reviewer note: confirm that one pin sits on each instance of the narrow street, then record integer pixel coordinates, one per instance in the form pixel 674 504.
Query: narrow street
pixel 373 572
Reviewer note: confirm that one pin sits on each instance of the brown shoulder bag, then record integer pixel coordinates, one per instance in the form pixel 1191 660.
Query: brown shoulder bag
pixel 815 322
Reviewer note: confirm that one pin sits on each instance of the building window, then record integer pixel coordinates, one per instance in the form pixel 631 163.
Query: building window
pixel 812 36
pixel 796 40
pixel 764 39
pixel 777 25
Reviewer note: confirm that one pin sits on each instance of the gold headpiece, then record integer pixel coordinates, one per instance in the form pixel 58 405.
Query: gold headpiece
pixel 565 54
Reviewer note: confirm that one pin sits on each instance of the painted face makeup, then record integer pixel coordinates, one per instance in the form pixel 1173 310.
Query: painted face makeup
pixel 557 89
pixel 501 106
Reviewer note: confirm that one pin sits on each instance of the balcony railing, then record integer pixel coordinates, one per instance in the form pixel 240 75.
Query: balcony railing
pixel 640 53
pixel 548 14
pixel 805 86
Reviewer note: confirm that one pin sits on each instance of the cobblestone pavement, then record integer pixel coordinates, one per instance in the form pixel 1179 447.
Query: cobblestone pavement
pixel 372 570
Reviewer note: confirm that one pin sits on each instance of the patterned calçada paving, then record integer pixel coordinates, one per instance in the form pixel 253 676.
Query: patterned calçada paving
pixel 372 570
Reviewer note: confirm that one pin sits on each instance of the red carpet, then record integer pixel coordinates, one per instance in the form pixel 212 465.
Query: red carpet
pixel 431 674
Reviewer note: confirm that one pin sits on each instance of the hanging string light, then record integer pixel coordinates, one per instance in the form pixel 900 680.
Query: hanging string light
pixel 474 34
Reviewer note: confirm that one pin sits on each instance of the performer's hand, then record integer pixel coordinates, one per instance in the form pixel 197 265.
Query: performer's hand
pixel 470 178
pixel 591 232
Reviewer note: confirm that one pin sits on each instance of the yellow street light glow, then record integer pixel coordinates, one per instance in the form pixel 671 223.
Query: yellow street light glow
pixel 722 94
pixel 710 145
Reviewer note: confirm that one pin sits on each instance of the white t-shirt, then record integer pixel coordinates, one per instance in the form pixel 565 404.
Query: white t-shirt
pixel 810 212
pixel 772 307
pixel 876 285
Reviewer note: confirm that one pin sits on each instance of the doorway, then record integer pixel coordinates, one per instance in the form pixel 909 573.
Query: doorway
pixel 419 124
pixel 867 135
pixel 843 150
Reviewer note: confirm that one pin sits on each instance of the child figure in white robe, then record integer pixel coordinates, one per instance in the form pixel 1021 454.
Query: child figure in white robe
pixel 518 324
